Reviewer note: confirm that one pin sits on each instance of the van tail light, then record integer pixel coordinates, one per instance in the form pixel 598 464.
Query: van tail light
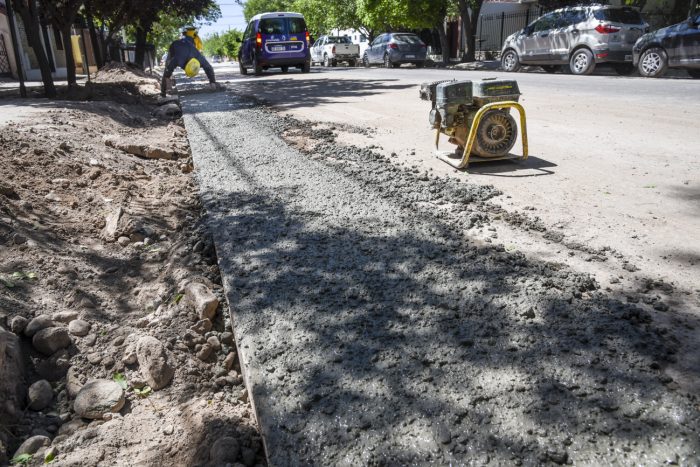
pixel 258 41
pixel 606 29
pixel 307 38
pixel 393 46
pixel 333 50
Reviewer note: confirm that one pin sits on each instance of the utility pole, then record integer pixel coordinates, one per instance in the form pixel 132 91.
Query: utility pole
pixel 15 48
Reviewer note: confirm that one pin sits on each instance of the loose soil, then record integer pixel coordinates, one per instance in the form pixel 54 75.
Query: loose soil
pixel 60 184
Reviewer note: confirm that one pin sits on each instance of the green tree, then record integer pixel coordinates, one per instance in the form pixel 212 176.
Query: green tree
pixel 254 7
pixel 223 45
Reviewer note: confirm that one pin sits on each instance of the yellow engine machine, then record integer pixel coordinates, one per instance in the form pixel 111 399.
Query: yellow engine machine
pixel 476 117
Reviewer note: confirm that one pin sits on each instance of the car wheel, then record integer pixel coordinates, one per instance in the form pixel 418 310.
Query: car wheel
pixel 352 63
pixel 365 60
pixel 285 69
pixel 550 68
pixel 510 61
pixel 257 67
pixel 581 62
pixel 387 61
pixel 694 73
pixel 241 68
pixel 420 64
pixel 653 62
pixel 306 67
pixel 326 61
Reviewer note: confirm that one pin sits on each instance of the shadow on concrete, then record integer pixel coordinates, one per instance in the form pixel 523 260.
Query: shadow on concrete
pixel 376 344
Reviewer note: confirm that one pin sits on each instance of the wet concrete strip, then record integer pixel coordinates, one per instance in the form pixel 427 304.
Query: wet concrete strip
pixel 370 330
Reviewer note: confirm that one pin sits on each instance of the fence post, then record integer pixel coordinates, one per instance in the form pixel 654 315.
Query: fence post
pixel 503 20
pixel 481 31
pixel 527 17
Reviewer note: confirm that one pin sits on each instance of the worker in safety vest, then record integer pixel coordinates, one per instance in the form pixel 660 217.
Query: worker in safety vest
pixel 185 54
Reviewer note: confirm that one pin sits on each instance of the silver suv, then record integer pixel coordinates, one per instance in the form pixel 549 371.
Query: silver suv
pixel 579 37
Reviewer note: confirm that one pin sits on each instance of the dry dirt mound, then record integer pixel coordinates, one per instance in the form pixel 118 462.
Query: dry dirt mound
pixel 110 298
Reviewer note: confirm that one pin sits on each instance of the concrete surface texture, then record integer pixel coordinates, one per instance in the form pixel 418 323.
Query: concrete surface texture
pixel 614 161
pixel 373 330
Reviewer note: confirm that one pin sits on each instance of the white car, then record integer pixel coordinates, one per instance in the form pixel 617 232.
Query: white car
pixel 329 50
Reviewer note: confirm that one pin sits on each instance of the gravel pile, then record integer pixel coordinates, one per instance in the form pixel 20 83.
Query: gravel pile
pixel 373 331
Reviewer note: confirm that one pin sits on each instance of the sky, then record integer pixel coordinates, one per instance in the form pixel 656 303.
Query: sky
pixel 231 18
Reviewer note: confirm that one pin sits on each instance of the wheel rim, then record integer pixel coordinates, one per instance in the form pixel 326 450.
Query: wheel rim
pixel 651 63
pixel 386 61
pixel 509 61
pixel 580 62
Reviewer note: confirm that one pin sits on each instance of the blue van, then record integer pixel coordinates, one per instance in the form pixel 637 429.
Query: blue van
pixel 275 40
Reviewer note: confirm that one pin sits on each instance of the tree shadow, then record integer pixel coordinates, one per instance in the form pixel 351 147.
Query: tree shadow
pixel 369 338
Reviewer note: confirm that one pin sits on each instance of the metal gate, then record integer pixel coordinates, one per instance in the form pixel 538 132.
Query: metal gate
pixel 5 69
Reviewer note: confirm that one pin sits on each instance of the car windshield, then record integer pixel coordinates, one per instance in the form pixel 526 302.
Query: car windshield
pixel 619 15
pixel 339 40
pixel 407 38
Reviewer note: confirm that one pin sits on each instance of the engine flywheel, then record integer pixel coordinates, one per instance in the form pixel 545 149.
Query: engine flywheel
pixel 496 134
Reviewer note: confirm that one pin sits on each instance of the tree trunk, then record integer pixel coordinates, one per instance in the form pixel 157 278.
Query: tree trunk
pixel 96 45
pixel 141 35
pixel 68 49
pixel 470 20
pixel 444 43
pixel 30 19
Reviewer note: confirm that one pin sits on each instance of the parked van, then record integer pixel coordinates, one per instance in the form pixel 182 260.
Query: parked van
pixel 275 40
pixel 579 37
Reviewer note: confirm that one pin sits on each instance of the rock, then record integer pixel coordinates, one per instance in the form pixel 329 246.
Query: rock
pixel 65 316
pixel 130 356
pixel 37 324
pixel 73 382
pixel 108 362
pixel 90 340
pixel 168 430
pixel 55 367
pixel 224 450
pixel 203 299
pixel 18 324
pixel 142 149
pixel 109 232
pixel 52 197
pixel 153 360
pixel 32 445
pixel 98 397
pixel 49 340
pixel 213 341
pixel 40 395
pixel 170 111
pixel 8 190
pixel 442 434
pixel 79 328
pixel 94 358
pixel 227 338
pixel 229 361
pixel 202 326
pixel 529 314
pixel 123 241
pixel 205 352
pixel 12 389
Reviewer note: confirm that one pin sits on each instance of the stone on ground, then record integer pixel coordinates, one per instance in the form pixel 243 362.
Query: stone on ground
pixel 153 360
pixel 40 395
pixel 49 340
pixel 32 445
pixel 37 324
pixel 79 327
pixel 98 397
pixel 203 299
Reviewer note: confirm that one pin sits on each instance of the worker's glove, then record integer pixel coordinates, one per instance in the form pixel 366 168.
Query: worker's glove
pixel 216 87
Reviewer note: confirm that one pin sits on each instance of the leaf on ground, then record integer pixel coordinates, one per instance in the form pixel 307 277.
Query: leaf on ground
pixel 7 282
pixel 31 275
pixel 177 298
pixel 22 459
pixel 143 392
pixel 50 457
pixel 120 379
pixel 18 276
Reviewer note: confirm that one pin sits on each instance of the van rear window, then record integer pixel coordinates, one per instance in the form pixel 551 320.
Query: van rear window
pixel 296 25
pixel 282 26
pixel 272 26
pixel 619 15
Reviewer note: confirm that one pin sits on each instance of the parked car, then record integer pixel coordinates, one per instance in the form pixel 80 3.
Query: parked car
pixel 275 40
pixel 393 49
pixel 577 37
pixel 329 50
pixel 676 46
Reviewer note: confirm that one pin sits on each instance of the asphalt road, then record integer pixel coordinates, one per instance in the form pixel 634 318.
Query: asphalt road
pixel 614 161
pixel 374 325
